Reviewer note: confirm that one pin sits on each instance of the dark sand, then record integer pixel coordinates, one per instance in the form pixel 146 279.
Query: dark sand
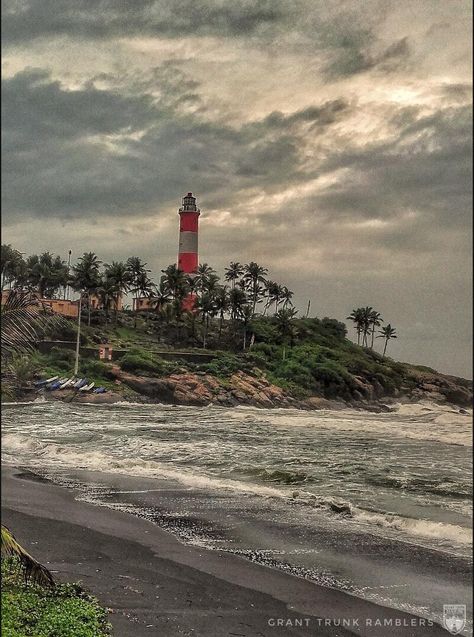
pixel 155 585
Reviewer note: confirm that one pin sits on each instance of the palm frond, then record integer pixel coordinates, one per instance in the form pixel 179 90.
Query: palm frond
pixel 24 319
pixel 33 570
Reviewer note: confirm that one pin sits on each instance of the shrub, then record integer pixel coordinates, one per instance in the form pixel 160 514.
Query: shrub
pixel 61 359
pixel 95 369
pixel 62 611
pixel 225 365
pixel 138 362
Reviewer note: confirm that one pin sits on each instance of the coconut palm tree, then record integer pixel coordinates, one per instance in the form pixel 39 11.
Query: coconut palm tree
pixel 207 307
pixel 270 288
pixel 221 299
pixel 46 273
pixel 234 272
pixel 23 320
pixel 107 292
pixel 10 261
pixel 375 320
pixel 237 299
pixel 86 277
pixel 286 297
pixel 387 332
pixel 285 325
pixel 118 273
pixel 203 274
pixel 22 317
pixel 356 316
pixel 246 316
pixel 254 278
pixel 32 569
pixel 175 281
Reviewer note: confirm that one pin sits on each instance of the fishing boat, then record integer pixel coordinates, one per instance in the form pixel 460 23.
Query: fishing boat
pixel 80 383
pixel 68 382
pixel 41 383
pixel 99 390
pixel 87 387
pixel 55 384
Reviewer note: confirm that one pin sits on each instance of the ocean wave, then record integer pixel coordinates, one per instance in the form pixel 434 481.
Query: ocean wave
pixel 416 527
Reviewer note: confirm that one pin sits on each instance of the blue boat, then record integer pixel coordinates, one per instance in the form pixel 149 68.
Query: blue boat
pixel 57 384
pixel 40 383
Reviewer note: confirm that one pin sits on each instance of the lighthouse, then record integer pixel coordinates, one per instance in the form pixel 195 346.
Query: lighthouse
pixel 188 235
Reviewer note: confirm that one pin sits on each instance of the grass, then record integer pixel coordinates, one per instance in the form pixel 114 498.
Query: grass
pixel 66 610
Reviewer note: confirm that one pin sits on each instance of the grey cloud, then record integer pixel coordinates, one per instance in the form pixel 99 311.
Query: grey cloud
pixel 107 18
pixel 73 151
pixel 352 58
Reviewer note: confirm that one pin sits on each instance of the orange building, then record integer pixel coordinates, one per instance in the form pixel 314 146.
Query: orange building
pixel 66 308
pixel 143 303
pixel 96 303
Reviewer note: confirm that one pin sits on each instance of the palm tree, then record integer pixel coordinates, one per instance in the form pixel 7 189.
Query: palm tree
pixel 375 320
pixel 86 277
pixel 388 332
pixel 46 273
pixel 118 273
pixel 254 277
pixel 286 297
pixel 32 569
pixel 10 261
pixel 221 298
pixel 175 281
pixel 366 324
pixel 204 272
pixel 136 269
pixel 357 317
pixel 237 299
pixel 22 318
pixel 107 292
pixel 207 306
pixel 234 272
pixel 211 284
pixel 270 288
pixel 246 315
pixel 285 325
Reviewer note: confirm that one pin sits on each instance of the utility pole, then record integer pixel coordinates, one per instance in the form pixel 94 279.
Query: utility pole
pixel 307 310
pixel 76 364
pixel 66 287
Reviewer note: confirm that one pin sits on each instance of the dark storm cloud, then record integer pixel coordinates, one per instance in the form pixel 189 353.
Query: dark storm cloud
pixel 353 57
pixel 344 32
pixel 68 151
pixel 427 167
pixel 108 18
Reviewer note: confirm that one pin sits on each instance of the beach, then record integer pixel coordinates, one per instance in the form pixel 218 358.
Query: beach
pixel 213 521
pixel 154 584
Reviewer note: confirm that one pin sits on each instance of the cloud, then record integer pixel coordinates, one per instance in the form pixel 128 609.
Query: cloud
pixel 329 140
pixel 109 151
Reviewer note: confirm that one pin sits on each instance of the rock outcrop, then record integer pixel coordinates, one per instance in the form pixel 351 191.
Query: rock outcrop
pixel 199 389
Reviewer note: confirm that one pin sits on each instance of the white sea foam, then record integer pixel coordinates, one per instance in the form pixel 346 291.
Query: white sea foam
pixel 422 528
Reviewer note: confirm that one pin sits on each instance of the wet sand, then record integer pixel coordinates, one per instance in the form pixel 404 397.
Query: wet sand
pixel 153 584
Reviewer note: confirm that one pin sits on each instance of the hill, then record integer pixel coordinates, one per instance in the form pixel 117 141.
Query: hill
pixel 310 365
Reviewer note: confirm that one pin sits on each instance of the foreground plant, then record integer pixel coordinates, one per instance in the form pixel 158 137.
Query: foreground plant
pixel 33 571
pixel 65 610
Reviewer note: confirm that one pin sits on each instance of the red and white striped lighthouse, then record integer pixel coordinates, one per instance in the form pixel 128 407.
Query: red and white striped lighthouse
pixel 188 235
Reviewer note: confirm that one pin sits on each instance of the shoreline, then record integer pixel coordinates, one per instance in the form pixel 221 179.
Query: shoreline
pixel 155 584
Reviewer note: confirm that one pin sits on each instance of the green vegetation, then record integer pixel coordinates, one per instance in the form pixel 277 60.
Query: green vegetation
pixel 65 610
pixel 138 361
pixel 245 320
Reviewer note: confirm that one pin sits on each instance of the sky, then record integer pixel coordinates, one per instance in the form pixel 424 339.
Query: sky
pixel 328 140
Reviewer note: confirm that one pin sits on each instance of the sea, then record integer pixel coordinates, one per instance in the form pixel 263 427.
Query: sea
pixel 377 505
